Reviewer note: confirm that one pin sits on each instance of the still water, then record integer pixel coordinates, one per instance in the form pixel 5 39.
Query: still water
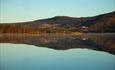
pixel 57 52
pixel 29 57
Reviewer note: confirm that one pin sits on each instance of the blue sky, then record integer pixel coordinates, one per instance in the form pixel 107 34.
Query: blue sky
pixel 28 10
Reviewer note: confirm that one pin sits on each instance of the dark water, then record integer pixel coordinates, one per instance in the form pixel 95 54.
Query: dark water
pixel 57 52
pixel 99 42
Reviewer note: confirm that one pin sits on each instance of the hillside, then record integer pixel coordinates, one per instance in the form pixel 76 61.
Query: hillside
pixel 64 24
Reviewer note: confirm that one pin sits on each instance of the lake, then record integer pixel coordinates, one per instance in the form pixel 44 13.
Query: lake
pixel 57 52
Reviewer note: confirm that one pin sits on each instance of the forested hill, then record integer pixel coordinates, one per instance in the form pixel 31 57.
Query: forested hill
pixel 99 23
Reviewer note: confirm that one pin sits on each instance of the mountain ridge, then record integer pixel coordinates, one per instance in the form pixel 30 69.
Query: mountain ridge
pixel 100 23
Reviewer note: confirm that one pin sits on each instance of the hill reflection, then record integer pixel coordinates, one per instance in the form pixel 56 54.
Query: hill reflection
pixel 99 42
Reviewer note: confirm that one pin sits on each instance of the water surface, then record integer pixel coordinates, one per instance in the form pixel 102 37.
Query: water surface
pixel 57 52
pixel 28 57
pixel 95 41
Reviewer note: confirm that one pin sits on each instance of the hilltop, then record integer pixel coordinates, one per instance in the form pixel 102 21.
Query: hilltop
pixel 64 24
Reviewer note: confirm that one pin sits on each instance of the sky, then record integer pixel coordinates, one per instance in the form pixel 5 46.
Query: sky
pixel 29 10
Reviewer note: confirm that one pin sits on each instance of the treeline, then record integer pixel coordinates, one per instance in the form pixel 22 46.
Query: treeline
pixel 17 28
pixel 103 24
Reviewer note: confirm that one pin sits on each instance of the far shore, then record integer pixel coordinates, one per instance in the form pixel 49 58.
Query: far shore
pixel 72 33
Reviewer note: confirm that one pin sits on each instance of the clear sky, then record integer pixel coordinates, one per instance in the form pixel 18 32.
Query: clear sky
pixel 28 10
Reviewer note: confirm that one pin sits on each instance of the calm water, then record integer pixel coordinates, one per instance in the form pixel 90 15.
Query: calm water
pixel 57 52
pixel 27 57
pixel 99 42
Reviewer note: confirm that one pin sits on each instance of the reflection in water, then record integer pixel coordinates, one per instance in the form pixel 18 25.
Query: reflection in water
pixel 28 57
pixel 100 42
